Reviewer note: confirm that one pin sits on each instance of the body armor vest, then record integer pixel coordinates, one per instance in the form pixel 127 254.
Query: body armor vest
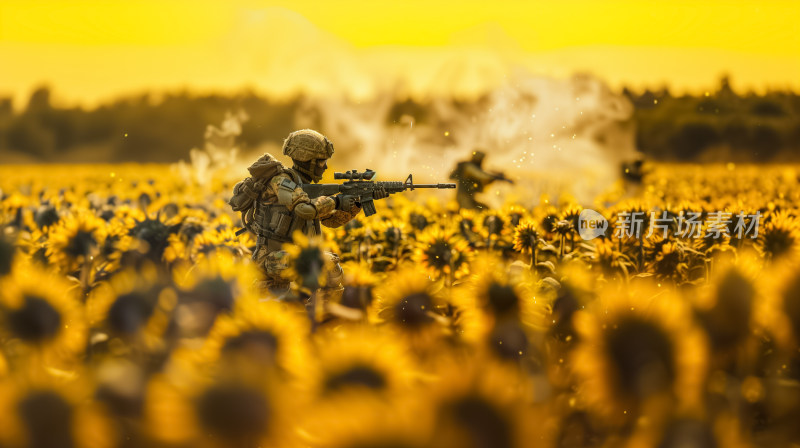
pixel 274 223
pixel 465 182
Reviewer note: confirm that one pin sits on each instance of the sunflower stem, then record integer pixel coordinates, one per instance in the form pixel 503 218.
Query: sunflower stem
pixel 86 269
pixel 451 275
pixel 641 253
pixel 312 310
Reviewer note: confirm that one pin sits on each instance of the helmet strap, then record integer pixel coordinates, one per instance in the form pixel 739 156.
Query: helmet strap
pixel 306 168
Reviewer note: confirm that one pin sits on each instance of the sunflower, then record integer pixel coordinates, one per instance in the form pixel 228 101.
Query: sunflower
pixel 226 412
pixel 563 228
pixel 779 314
pixel 613 263
pixel 775 399
pixel 394 245
pixel 467 225
pixel 779 238
pixel 128 215
pixel 443 253
pixel 468 325
pixel 514 213
pixel 257 338
pixel 209 289
pixel 359 282
pixel 46 412
pixel 571 214
pixel 358 359
pixel 221 239
pixel 307 261
pixel 75 241
pixel 360 420
pixel 13 207
pixel 153 235
pixel 409 300
pixel 723 430
pixel 726 308
pixel 119 388
pixel 41 317
pixel 414 305
pixel 45 216
pixel 569 299
pixel 132 313
pixel 502 294
pixel 176 249
pixel 714 238
pixel 526 239
pixel 669 262
pixel 547 217
pixel 352 237
pixel 480 403
pixel 118 241
pixel 418 221
pixel 637 352
pixel 741 221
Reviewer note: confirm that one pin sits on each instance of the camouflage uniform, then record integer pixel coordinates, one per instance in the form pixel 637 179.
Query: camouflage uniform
pixel 283 208
pixel 471 178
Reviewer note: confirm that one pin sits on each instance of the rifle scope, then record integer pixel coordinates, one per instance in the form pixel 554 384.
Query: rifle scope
pixel 367 174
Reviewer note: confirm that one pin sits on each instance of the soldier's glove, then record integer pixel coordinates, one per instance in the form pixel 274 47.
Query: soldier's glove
pixel 345 202
pixel 380 193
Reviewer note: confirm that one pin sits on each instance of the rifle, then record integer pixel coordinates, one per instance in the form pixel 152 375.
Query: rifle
pixel 362 185
pixel 501 177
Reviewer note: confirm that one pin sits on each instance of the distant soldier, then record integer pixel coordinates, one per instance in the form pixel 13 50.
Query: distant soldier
pixel 633 174
pixel 471 179
pixel 633 170
pixel 274 206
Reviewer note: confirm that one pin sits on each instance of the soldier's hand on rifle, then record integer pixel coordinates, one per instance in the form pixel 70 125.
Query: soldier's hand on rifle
pixel 502 178
pixel 345 202
pixel 380 193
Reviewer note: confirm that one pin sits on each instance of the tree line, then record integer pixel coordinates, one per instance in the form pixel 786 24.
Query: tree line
pixel 714 126
pixel 720 125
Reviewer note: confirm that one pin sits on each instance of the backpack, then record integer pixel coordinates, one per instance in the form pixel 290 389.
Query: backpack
pixel 246 192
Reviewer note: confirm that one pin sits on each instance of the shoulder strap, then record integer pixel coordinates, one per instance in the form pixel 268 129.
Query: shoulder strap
pixel 293 174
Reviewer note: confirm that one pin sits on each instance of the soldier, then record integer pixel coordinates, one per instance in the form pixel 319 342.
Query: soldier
pixel 633 171
pixel 633 174
pixel 280 206
pixel 471 179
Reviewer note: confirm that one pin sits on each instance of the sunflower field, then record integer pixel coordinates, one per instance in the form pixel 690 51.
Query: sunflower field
pixel 131 316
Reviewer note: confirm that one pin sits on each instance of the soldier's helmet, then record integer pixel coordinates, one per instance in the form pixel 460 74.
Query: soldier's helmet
pixel 306 145
pixel 478 156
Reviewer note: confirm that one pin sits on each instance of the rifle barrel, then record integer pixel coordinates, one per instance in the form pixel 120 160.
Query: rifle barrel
pixel 439 186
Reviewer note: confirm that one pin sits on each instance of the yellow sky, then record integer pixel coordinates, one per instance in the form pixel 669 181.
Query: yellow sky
pixel 89 50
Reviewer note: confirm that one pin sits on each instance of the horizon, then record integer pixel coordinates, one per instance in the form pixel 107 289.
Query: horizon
pixel 92 52
pixel 157 96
